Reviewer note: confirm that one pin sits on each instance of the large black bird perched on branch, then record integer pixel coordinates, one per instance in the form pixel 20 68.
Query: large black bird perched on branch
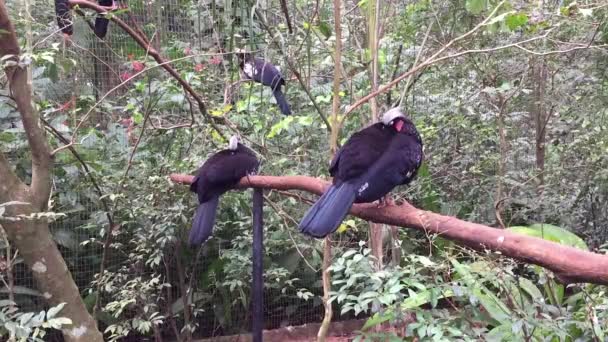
pixel 220 173
pixel 264 72
pixel 371 163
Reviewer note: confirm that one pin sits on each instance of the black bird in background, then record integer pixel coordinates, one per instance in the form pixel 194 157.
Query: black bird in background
pixel 101 23
pixel 64 17
pixel 371 163
pixel 220 173
pixel 263 72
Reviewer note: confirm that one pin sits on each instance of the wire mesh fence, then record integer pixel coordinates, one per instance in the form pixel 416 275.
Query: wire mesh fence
pixel 104 76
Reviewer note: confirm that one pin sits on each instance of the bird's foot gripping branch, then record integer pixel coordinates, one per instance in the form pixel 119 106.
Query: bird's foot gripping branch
pixel 569 264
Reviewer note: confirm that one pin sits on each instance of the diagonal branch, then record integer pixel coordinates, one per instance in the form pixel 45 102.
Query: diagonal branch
pixel 142 41
pixel 569 264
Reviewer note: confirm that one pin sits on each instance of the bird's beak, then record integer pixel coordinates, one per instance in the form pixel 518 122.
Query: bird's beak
pixel 398 125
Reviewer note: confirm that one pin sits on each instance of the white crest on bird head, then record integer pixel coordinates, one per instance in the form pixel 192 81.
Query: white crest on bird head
pixel 391 115
pixel 234 141
pixel 241 53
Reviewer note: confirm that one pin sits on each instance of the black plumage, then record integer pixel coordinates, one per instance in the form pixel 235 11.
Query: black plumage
pixel 64 16
pixel 101 23
pixel 220 173
pixel 264 72
pixel 371 163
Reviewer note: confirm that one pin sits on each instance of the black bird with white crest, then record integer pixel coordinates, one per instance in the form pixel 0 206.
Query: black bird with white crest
pixel 219 174
pixel 264 72
pixel 373 161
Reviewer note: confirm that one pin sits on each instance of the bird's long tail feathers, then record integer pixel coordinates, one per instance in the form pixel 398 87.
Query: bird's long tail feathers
pixel 202 226
pixel 281 101
pixel 101 27
pixel 327 213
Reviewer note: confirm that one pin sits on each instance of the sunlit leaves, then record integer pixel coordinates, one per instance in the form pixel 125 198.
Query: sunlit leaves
pixel 476 6
pixel 515 21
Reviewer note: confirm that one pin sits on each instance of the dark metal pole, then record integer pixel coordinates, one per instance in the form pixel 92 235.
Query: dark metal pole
pixel 257 286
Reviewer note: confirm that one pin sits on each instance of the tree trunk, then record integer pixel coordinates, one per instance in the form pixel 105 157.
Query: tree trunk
pixel 33 238
pixel 53 279
pixel 333 145
pixel 375 230
pixel 539 116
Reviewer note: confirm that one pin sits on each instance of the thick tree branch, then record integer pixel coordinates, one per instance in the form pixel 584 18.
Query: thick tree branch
pixel 569 264
pixel 21 93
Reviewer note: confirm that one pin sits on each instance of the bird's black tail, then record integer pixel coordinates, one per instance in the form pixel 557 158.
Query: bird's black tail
pixel 101 27
pixel 327 213
pixel 283 105
pixel 202 227
pixel 64 17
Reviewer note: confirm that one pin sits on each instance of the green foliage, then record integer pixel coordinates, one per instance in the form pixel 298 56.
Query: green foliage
pixel 551 233
pixel 29 326
pixel 476 6
pixel 516 20
pixel 489 299
pixel 152 281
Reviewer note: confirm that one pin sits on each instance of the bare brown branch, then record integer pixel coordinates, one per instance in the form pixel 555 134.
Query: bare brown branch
pixel 569 264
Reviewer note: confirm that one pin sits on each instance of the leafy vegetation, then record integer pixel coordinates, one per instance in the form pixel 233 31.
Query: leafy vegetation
pixel 515 137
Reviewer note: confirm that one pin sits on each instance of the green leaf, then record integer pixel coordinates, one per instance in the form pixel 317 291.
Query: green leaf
pixel 279 127
pixel 515 21
pixel 376 319
pixel 325 29
pixel 551 233
pixel 493 305
pixel 528 286
pixel 138 118
pixel 501 333
pixel 54 310
pixel 425 261
pixel 424 297
pixel 475 6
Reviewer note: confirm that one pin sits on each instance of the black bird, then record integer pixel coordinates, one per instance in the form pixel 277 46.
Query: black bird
pixel 263 72
pixel 371 163
pixel 101 23
pixel 220 173
pixel 64 17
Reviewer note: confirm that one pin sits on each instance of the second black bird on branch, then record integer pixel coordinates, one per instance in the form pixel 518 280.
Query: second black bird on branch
pixel 264 72
pixel 101 23
pixel 371 163
pixel 220 173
